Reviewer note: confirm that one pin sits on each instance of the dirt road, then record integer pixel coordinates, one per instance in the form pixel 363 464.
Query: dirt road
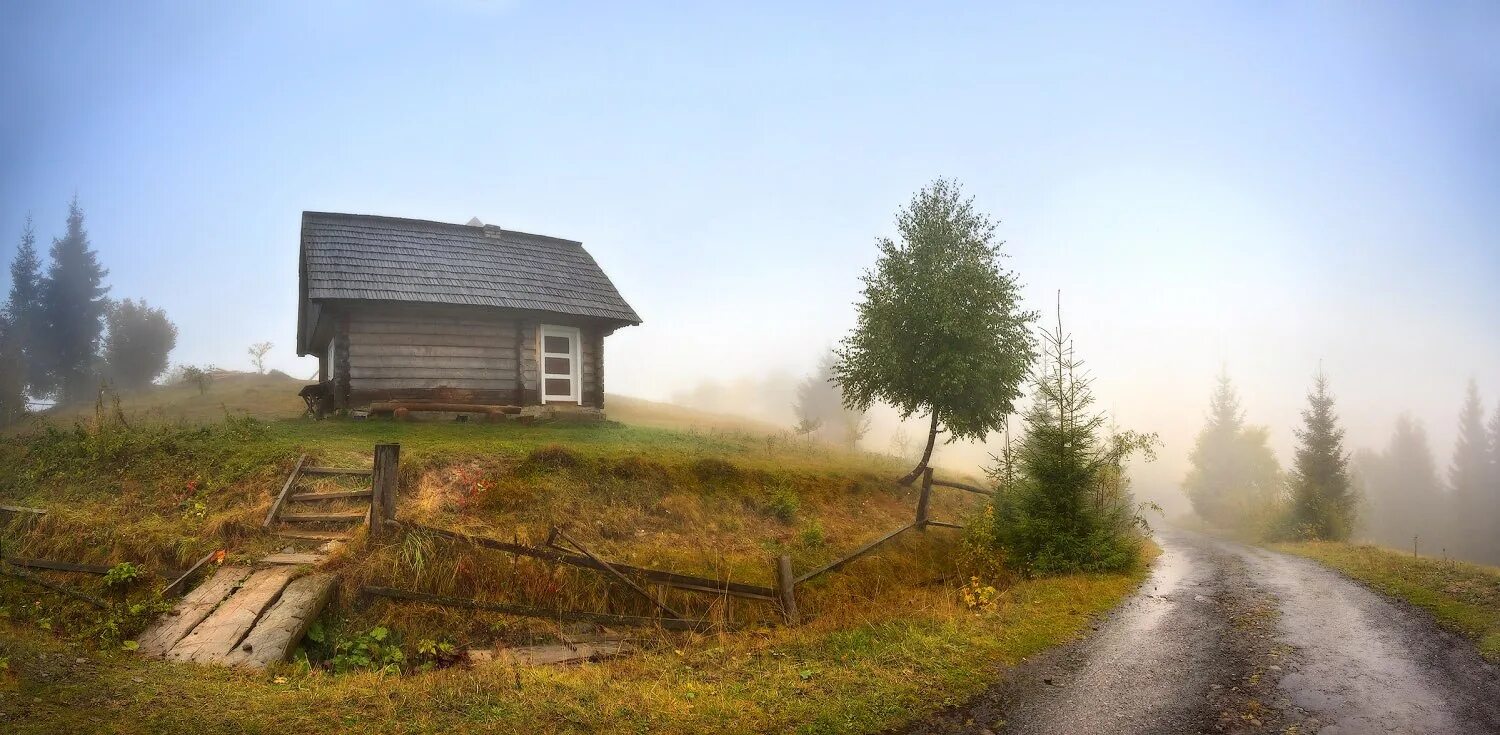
pixel 1226 637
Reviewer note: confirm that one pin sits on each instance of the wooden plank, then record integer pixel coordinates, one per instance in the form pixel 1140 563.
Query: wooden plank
pixel 171 628
pixel 786 586
pixel 432 383
pixel 562 653
pixel 55 587
pixel 536 612
pixel 681 581
pixel 281 628
pixel 294 559
pixel 338 517
pixel 944 524
pixel 337 471
pixel 180 583
pixel 330 495
pixel 419 364
pixel 383 489
pixel 424 349
pixel 58 566
pixel 389 406
pixel 377 342
pixel 23 509
pixel 963 486
pixel 617 575
pixel 861 551
pixel 298 533
pixel 291 480
pixel 214 638
pixel 465 374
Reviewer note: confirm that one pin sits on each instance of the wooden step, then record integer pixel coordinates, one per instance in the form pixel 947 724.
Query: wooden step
pixel 332 495
pixel 214 638
pixel 295 559
pixel 338 517
pixel 313 535
pixel 337 471
pixel 190 611
pixel 280 629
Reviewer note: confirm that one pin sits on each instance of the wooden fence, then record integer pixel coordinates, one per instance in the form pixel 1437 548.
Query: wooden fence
pixel 575 554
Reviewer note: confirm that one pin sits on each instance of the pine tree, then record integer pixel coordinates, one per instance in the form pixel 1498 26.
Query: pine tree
pixel 1323 499
pixel 1492 554
pixel 1233 477
pixel 1404 494
pixel 12 373
pixel 23 309
pixel 74 304
pixel 1468 478
pixel 940 330
pixel 1067 508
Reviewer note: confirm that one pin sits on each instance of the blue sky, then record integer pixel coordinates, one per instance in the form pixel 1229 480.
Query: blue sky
pixel 1263 185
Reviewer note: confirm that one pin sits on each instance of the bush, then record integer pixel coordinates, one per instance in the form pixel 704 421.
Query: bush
pixel 782 504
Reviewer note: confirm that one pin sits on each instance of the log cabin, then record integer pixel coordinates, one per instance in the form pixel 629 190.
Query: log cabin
pixel 413 313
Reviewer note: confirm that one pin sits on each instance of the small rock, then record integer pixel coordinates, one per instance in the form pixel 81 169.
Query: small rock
pixel 138 680
pixel 80 660
pixel 1275 668
pixel 1216 686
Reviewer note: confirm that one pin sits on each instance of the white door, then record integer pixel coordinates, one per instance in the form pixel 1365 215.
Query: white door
pixel 558 355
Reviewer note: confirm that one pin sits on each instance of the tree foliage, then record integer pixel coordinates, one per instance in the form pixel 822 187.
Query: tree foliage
pixel 1067 507
pixel 1469 475
pixel 72 297
pixel 1323 499
pixel 140 339
pixel 1233 478
pixel 24 312
pixel 1403 493
pixel 258 355
pixel 821 409
pixel 940 328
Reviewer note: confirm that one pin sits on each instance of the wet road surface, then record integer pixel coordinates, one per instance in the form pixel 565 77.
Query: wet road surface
pixel 1225 637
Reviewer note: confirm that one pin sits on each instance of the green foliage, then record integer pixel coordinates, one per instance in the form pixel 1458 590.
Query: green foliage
pixel 373 650
pixel 1323 498
pixel 782 503
pixel 812 536
pixel 1233 479
pixel 1403 494
pixel 23 310
pixel 1475 484
pixel 140 338
pixel 122 575
pixel 437 654
pixel 1069 507
pixel 940 328
pixel 73 302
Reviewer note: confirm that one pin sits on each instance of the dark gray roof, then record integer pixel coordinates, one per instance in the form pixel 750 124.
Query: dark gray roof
pixel 352 256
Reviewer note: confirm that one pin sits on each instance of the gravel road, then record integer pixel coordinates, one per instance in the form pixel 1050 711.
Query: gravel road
pixel 1229 638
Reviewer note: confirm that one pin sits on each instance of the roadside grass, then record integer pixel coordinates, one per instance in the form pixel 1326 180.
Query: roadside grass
pixel 918 651
pixel 1463 597
pixel 888 639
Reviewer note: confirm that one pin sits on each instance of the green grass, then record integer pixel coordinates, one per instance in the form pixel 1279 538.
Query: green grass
pixel 887 640
pixel 1462 597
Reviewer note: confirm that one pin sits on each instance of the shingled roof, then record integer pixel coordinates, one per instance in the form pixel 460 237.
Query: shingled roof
pixel 367 257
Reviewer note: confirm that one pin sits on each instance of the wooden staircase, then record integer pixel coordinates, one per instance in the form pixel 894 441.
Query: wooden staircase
pixel 323 513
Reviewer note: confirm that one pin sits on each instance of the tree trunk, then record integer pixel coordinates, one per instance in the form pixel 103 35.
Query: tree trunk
pixel 926 454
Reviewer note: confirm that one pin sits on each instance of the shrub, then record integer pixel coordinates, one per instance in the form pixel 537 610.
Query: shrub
pixel 713 469
pixel 782 504
pixel 552 457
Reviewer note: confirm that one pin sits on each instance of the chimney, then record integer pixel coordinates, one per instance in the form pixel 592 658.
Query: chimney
pixel 474 222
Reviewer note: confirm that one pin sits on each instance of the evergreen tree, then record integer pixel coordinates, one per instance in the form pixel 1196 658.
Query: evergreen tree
pixel 1233 477
pixel 23 309
pixel 1323 499
pixel 1404 494
pixel 1492 554
pixel 140 338
pixel 820 408
pixel 940 330
pixel 1468 478
pixel 73 302
pixel 1067 508
pixel 12 373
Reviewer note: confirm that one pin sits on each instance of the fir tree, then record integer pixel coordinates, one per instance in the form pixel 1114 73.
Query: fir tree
pixel 940 329
pixel 1468 478
pixel 1403 490
pixel 23 310
pixel 1233 476
pixel 12 373
pixel 74 304
pixel 1067 507
pixel 1323 498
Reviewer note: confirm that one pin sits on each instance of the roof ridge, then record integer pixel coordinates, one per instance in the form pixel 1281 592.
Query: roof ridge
pixel 351 216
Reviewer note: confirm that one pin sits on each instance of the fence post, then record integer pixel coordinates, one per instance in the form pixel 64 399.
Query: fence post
pixel 925 500
pixel 786 590
pixel 383 486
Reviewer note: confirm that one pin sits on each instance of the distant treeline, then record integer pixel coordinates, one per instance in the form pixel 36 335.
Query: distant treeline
pixel 61 337
pixel 1396 496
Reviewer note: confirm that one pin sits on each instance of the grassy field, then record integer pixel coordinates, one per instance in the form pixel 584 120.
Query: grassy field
pixel 171 476
pixel 1462 597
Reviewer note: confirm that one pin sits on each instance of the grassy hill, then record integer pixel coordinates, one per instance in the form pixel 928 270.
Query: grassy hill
pixel 183 474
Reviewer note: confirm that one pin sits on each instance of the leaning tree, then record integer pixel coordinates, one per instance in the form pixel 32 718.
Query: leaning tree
pixel 941 330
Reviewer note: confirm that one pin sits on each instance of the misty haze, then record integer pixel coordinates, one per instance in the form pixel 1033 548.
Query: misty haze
pixel 500 366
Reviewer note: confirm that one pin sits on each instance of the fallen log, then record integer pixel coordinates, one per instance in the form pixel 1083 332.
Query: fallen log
pixel 55 587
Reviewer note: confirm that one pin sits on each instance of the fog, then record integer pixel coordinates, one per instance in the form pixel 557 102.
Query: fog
pixel 1264 191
